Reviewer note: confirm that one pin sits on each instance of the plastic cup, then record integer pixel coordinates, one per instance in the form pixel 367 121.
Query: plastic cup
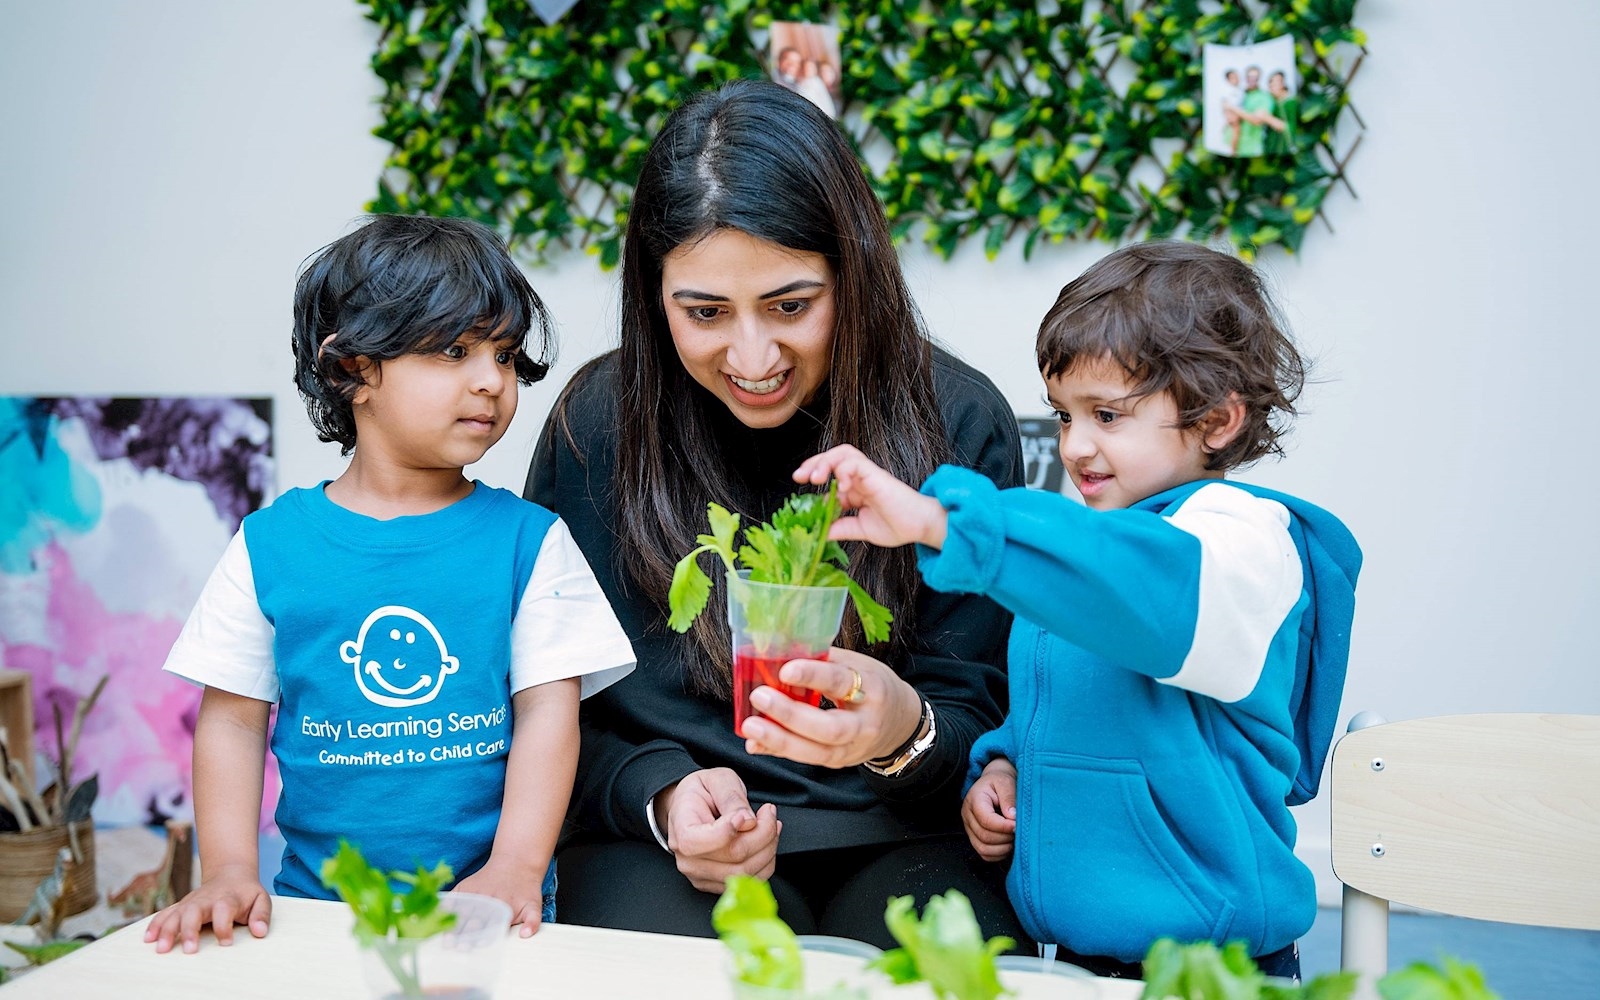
pixel 1043 966
pixel 774 623
pixel 832 945
pixel 462 963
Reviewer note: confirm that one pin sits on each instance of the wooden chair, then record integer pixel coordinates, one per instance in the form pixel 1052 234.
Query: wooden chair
pixel 1495 817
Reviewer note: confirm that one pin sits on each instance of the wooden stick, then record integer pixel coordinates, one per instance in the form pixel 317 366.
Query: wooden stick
pixel 8 792
pixel 69 749
pixel 31 794
pixel 60 762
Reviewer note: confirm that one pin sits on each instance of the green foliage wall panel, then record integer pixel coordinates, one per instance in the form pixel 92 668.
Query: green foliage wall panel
pixel 991 121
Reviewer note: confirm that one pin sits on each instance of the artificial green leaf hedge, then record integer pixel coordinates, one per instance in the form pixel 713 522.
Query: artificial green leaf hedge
pixel 985 120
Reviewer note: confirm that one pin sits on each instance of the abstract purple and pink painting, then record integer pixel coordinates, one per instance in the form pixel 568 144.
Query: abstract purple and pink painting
pixel 113 513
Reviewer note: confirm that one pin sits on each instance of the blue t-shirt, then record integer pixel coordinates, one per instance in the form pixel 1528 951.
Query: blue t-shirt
pixel 393 648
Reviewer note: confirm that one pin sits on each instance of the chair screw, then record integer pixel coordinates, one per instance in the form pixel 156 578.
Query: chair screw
pixel 1377 850
pixel 1377 763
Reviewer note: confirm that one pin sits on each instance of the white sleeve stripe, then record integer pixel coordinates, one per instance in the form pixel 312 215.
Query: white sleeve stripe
pixel 1250 579
pixel 226 642
pixel 564 626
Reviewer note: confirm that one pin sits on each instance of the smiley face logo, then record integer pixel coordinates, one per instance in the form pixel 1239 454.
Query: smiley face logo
pixel 399 658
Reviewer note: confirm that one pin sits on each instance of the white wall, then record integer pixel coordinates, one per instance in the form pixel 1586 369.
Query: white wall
pixel 167 166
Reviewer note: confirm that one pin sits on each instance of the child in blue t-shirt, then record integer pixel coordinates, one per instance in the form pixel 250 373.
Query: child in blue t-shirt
pixel 425 638
pixel 1180 641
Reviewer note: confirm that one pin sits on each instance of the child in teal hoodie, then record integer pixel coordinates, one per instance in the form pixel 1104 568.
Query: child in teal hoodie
pixel 1180 641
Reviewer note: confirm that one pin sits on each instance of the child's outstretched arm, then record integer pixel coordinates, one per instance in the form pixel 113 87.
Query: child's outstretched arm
pixel 887 511
pixel 539 775
pixel 230 745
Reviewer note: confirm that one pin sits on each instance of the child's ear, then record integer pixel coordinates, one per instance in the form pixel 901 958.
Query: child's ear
pixel 359 368
pixel 1219 427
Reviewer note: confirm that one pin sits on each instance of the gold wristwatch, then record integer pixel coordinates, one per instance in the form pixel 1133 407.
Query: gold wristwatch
pixel 906 755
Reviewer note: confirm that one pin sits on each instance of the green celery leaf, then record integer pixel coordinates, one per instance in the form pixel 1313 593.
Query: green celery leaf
pixel 690 590
pixel 763 554
pixel 946 946
pixel 724 525
pixel 1421 981
pixel 765 951
pixel 420 915
pixel 364 888
pixel 875 618
pixel 380 912
pixel 1200 971
pixel 1328 986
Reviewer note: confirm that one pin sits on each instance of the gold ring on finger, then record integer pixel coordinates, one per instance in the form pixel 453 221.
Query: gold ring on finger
pixel 854 695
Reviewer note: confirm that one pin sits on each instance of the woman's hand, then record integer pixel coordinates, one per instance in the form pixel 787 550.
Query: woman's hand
pixel 230 896
pixel 887 511
pixel 990 811
pixel 886 713
pixel 712 831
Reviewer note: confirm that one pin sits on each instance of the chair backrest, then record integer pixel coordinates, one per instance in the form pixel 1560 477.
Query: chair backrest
pixel 1489 816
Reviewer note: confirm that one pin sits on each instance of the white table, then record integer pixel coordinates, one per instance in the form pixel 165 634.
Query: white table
pixel 310 953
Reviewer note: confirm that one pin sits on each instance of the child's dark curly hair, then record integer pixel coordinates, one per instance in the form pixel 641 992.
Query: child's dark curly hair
pixel 1188 320
pixel 406 284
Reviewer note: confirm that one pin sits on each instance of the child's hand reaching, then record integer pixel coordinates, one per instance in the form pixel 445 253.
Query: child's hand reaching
pixel 230 896
pixel 887 511
pixel 521 887
pixel 990 811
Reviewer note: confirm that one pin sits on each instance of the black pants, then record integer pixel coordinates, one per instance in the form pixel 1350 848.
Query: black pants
pixel 633 885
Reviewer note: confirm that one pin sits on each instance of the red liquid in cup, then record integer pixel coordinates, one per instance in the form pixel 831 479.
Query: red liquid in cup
pixel 751 671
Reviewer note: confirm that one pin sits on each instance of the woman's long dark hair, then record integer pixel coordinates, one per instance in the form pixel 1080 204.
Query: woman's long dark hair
pixel 755 157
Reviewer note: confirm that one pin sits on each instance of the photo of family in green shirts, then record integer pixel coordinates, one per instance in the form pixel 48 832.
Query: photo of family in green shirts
pixel 1251 105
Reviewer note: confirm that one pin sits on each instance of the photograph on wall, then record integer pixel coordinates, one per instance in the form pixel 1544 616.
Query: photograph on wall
pixel 1251 102
pixel 113 515
pixel 805 58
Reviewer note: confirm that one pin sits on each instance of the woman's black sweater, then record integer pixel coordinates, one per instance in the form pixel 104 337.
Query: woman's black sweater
pixel 651 729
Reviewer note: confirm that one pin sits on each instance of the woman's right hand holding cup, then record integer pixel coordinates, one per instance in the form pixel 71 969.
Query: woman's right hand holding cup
pixel 887 511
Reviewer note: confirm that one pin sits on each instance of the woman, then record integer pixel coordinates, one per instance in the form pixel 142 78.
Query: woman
pixel 1285 112
pixel 764 317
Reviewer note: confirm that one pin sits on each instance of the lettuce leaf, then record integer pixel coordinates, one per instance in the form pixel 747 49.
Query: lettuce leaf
pixel 765 951
pixel 792 548
pixel 945 948
pixel 381 912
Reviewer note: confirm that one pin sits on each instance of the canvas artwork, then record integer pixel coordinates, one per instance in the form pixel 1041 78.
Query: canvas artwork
pixel 113 515
pixel 1251 98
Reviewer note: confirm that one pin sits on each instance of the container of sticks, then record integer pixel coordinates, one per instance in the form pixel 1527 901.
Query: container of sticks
pixel 47 870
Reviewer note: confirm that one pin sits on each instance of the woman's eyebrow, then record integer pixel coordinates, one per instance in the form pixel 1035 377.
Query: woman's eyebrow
pixel 802 284
pixel 794 286
pixel 689 293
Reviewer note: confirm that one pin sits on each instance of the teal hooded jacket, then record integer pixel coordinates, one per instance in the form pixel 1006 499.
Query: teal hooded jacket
pixel 1175 672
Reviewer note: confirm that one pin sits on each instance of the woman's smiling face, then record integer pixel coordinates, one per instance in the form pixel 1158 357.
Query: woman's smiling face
pixel 752 322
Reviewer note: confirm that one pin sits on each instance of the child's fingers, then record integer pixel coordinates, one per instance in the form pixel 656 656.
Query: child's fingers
pixel 221 925
pixel 994 853
pixel 529 917
pixel 192 919
pixel 995 823
pixel 260 915
pixel 1005 797
pixel 818 468
pixel 847 529
pixel 163 928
